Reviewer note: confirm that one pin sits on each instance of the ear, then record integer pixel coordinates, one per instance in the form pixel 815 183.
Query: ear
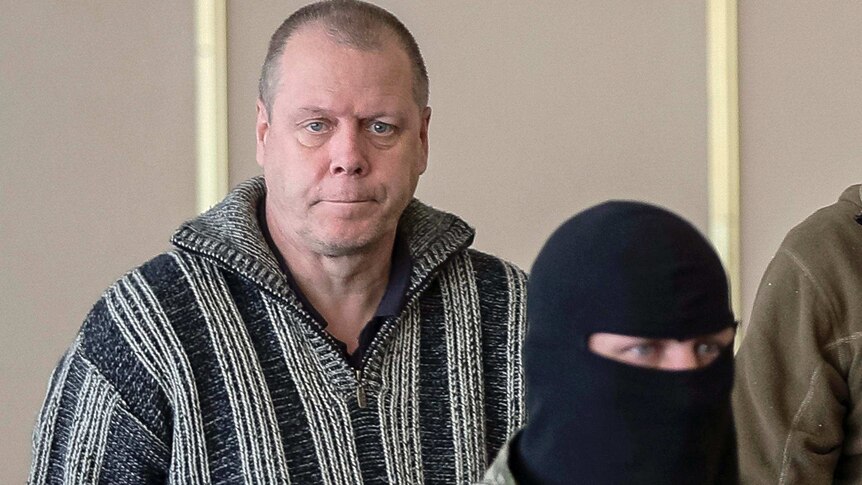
pixel 261 131
pixel 423 138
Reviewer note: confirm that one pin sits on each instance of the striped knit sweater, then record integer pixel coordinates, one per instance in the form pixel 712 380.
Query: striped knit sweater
pixel 201 366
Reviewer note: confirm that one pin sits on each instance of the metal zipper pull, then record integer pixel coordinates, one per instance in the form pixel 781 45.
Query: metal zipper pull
pixel 360 391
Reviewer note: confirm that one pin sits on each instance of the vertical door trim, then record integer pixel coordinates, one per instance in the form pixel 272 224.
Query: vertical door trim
pixel 723 138
pixel 211 102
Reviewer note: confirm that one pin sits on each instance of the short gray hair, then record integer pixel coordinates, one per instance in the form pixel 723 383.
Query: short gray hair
pixel 349 22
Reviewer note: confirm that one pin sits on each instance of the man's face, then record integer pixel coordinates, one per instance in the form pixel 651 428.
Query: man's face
pixel 344 146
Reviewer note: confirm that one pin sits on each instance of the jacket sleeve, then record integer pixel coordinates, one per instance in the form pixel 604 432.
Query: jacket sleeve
pixel 790 395
pixel 85 432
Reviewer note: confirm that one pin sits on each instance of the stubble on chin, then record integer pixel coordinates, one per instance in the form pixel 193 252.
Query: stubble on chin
pixel 333 246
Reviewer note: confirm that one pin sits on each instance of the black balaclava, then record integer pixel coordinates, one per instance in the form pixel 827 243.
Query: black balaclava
pixel 633 269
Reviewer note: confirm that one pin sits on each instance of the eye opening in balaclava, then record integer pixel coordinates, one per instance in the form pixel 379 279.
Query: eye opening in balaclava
pixel 667 354
pixel 625 268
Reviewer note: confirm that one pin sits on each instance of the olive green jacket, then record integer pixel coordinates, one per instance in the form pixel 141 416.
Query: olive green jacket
pixel 798 394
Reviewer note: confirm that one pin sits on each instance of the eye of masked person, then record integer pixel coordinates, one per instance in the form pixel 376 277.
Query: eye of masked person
pixel 665 354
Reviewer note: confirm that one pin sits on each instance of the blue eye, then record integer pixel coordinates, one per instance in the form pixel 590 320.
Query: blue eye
pixel 381 128
pixel 315 127
pixel 708 349
pixel 643 350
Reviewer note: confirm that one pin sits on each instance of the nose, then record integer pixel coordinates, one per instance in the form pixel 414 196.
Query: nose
pixel 679 357
pixel 347 153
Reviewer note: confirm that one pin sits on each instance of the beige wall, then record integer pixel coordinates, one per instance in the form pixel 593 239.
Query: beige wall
pixel 801 119
pixel 96 169
pixel 540 109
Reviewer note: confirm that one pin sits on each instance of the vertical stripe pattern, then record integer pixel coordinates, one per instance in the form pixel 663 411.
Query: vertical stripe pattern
pixel 261 452
pixel 329 417
pixel 515 412
pixel 202 367
pixel 93 413
pixel 44 434
pixel 463 345
pixel 144 325
pixel 398 408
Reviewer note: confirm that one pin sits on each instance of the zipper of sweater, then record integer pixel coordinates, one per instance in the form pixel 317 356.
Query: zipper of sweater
pixel 360 391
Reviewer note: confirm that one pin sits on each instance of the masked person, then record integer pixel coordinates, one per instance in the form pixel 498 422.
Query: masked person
pixel 627 358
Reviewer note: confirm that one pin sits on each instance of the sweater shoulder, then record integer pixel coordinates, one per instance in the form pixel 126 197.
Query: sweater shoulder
pixel 163 271
pixel 820 256
pixel 116 304
pixel 502 290
pixel 112 340
pixel 828 237
pixel 490 266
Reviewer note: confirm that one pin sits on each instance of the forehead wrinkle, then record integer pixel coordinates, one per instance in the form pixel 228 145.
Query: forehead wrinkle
pixel 312 110
pixel 369 93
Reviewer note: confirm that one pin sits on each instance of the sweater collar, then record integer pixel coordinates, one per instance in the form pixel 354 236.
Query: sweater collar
pixel 229 235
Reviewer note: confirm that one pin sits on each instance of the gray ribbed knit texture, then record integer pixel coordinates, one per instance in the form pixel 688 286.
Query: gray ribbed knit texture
pixel 201 366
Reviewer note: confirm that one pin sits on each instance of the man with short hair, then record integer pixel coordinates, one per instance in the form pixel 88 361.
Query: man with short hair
pixel 319 325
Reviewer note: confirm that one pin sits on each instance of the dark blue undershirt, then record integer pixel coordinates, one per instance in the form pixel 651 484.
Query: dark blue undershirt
pixel 389 307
